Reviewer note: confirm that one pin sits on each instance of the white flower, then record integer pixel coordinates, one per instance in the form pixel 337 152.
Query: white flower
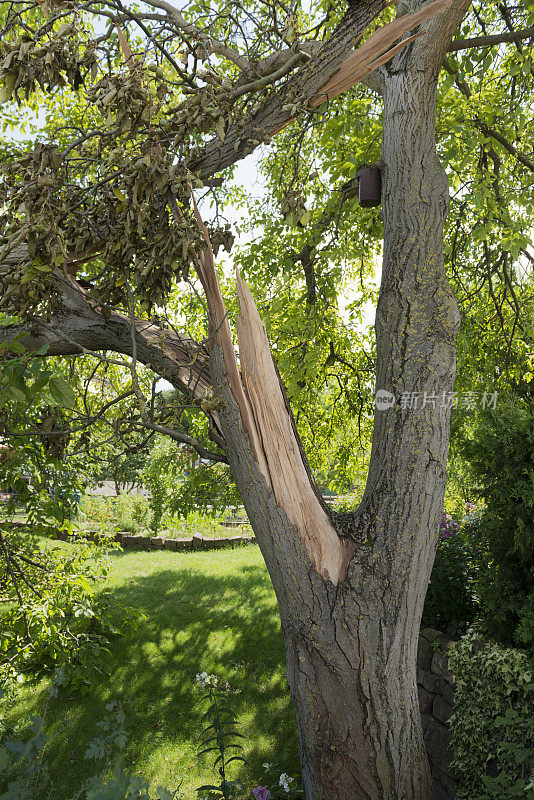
pixel 284 781
pixel 204 680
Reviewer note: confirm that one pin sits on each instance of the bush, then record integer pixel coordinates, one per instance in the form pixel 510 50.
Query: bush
pixel 451 603
pixel 196 524
pixel 493 722
pixel 161 472
pixel 127 512
pixel 501 457
pixel 54 615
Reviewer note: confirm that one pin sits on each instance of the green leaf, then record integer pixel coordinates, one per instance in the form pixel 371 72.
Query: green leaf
pixel 38 385
pixel 16 394
pixel 119 195
pixel 61 392
pixel 4 759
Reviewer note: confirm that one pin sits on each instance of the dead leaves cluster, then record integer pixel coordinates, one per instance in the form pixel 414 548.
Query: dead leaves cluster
pixel 56 61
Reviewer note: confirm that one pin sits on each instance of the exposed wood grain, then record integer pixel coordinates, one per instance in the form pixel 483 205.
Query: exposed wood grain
pixel 375 51
pixel 220 333
pixel 289 479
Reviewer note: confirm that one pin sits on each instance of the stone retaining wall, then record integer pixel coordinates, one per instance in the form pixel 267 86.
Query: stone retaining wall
pixel 132 540
pixel 135 541
pixel 193 543
pixel 435 687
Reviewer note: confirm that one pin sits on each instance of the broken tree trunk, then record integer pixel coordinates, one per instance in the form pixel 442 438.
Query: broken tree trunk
pixel 351 638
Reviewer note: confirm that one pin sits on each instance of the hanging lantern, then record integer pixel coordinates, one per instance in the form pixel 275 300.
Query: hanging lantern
pixel 370 190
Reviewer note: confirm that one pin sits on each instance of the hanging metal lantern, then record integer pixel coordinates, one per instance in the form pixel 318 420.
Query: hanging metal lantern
pixel 370 187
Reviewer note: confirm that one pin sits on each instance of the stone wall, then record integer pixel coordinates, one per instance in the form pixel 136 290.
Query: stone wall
pixel 138 542
pixel 436 697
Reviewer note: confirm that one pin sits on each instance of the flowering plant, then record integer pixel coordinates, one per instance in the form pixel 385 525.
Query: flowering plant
pixel 219 737
pixel 261 793
pixel 451 603
pixel 281 786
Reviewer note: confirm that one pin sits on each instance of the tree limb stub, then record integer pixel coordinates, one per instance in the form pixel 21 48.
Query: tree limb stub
pixel 267 419
pixel 220 333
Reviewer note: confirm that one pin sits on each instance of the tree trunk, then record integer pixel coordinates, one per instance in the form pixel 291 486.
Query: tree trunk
pixel 351 634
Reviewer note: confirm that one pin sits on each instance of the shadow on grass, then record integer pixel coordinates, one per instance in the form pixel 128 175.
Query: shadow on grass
pixel 226 624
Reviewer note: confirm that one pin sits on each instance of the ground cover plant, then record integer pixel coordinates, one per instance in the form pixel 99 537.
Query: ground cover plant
pixel 197 612
pixel 493 723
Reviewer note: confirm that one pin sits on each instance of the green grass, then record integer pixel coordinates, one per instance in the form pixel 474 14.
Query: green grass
pixel 205 611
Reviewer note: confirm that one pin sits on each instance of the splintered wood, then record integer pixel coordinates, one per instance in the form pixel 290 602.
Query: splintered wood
pixel 286 470
pixel 220 333
pixel 267 421
pixel 256 389
pixel 376 51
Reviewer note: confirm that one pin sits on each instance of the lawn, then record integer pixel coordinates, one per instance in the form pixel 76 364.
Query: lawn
pixel 205 611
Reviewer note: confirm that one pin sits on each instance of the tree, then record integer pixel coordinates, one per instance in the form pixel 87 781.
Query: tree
pixel 112 193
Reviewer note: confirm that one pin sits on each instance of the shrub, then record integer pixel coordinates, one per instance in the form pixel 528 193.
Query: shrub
pixel 501 457
pixel 131 512
pixel 96 508
pixel 127 512
pixel 195 524
pixel 451 604
pixel 161 471
pixel 493 722
pixel 54 615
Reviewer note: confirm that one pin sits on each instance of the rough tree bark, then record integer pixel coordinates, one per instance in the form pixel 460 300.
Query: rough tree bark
pixel 351 634
pixel 351 641
pixel 350 587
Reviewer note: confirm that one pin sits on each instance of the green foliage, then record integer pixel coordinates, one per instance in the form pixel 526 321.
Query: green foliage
pixel 196 524
pixel 50 613
pixel 127 512
pixel 24 754
pixel 501 460
pixel 158 475
pixel 123 468
pixel 205 489
pixel 493 723
pixel 53 615
pixel 451 603
pixel 131 512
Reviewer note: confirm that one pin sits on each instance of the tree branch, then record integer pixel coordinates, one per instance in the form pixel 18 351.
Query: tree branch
pixel 77 325
pixel 483 126
pixel 201 36
pixel 183 438
pixel 276 111
pixel 488 41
